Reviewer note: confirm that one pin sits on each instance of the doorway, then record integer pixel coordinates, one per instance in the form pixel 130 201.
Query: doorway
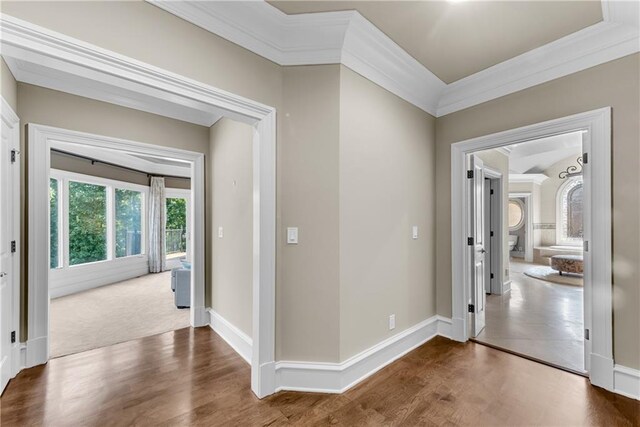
pixel 595 130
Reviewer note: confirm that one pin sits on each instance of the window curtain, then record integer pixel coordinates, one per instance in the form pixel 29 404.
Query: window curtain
pixel 157 214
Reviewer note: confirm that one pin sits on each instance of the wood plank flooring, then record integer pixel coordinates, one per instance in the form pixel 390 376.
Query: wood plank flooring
pixel 188 377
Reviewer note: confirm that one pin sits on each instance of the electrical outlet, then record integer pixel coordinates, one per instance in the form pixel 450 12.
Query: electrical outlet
pixel 392 322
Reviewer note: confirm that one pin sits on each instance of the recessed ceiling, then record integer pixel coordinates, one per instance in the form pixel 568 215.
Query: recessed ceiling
pixel 538 155
pixel 456 39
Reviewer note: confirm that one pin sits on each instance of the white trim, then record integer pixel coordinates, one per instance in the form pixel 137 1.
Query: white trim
pixel 10 118
pixel 597 277
pixel 339 377
pixel 528 178
pixel 344 37
pixel 28 42
pixel 237 339
pixel 506 286
pixel 496 246
pixel 528 211
pixel 626 381
pixel 347 37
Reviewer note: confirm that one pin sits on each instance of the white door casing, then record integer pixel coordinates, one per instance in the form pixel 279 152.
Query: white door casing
pixel 9 236
pixel 477 247
pixel 598 291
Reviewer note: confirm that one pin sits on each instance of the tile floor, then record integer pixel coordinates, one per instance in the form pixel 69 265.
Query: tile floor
pixel 539 319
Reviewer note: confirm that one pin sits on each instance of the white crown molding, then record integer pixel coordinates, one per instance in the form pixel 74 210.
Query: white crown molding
pixel 350 39
pixel 316 38
pixel 534 178
pixel 594 45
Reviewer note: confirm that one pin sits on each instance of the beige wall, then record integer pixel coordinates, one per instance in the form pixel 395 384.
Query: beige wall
pixel 307 294
pixel 387 185
pixel 231 256
pixel 614 84
pixel 77 165
pixel 48 107
pixel 500 162
pixel 8 86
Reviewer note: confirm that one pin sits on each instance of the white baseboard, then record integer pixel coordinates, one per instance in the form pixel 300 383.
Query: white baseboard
pixel 339 377
pixel 626 381
pixel 444 326
pixel 84 277
pixel 238 340
pixel 506 287
pixel 36 352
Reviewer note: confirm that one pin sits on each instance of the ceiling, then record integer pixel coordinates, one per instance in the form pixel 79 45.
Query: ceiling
pixel 456 39
pixel 537 156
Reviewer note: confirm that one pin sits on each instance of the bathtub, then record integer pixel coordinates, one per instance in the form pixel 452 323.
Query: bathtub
pixel 541 254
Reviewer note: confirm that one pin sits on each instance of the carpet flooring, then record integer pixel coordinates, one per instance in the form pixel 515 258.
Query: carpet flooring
pixel 111 314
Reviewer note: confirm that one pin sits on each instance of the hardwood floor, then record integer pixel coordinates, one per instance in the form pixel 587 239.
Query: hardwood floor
pixel 193 377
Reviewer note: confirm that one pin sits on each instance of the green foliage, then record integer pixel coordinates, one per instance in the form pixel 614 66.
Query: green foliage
pixel 53 236
pixel 87 223
pixel 176 220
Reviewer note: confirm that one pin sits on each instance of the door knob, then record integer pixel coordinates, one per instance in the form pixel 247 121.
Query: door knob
pixel 2 274
pixel 482 250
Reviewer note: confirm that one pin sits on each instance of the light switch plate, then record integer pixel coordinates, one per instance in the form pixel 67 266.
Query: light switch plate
pixel 220 232
pixel 414 233
pixel 292 235
pixel 392 322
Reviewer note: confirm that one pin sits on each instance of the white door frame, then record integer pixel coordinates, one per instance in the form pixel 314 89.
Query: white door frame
pixel 528 227
pixel 596 126
pixel 10 118
pixel 24 41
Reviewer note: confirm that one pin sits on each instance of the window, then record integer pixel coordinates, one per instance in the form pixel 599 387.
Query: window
pixel 54 205
pixel 128 223
pixel 87 223
pixel 569 229
pixel 176 226
pixel 94 219
pixel 516 214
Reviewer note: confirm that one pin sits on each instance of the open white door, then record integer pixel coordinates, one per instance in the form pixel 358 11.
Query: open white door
pixel 6 261
pixel 477 245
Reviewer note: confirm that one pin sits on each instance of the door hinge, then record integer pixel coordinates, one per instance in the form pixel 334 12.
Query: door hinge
pixel 14 153
pixel 13 246
pixel 470 174
pixel 585 158
pixel 472 308
pixel 491 192
pixel 586 334
pixel 492 275
pixel 470 241
pixel 585 245
pixel 13 337
pixel 491 234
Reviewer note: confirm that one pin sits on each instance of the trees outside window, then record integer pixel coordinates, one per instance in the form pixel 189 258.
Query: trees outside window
pixel 54 203
pixel 176 225
pixel 87 223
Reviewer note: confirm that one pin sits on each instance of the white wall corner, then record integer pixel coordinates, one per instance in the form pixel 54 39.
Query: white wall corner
pixel 339 377
pixel 626 381
pixel 237 339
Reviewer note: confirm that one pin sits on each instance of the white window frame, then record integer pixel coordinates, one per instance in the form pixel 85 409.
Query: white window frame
pixel 561 238
pixel 63 178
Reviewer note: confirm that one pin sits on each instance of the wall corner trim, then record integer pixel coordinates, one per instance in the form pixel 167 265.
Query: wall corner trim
pixel 238 340
pixel 325 377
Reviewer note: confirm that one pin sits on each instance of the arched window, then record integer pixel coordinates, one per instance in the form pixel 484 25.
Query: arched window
pixel 569 215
